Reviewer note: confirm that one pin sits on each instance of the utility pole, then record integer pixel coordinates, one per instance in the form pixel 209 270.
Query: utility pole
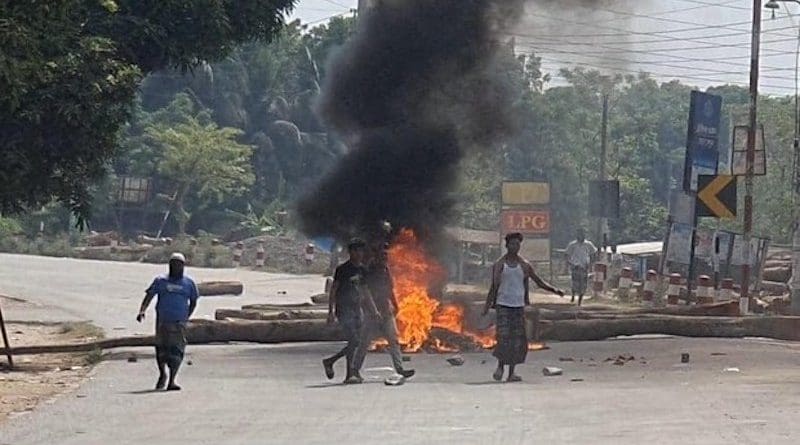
pixel 601 222
pixel 751 150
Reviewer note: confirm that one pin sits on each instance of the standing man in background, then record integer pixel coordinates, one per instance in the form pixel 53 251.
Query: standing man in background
pixel 177 300
pixel 579 256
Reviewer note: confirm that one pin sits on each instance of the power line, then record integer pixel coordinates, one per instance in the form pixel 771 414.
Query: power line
pixel 665 33
pixel 338 4
pixel 702 5
pixel 538 49
pixel 721 60
pixel 656 41
pixel 618 69
pixel 724 5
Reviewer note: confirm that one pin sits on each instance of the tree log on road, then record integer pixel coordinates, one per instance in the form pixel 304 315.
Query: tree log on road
pixel 286 331
pixel 721 309
pixel 775 288
pixel 783 328
pixel 215 288
pixel 250 314
pixel 207 332
pixel 778 274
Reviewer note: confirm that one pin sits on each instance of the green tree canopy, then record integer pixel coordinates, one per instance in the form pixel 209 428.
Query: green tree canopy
pixel 202 161
pixel 69 71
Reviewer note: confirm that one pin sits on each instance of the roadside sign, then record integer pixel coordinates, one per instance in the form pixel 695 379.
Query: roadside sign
pixel 716 196
pixel 533 222
pixel 525 193
pixel 739 161
pixel 702 156
pixel 681 207
pixel 604 199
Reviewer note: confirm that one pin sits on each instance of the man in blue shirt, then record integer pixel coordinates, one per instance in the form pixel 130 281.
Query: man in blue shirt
pixel 177 299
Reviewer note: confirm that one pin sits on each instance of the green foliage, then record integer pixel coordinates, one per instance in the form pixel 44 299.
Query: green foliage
pixel 9 227
pixel 202 160
pixel 69 71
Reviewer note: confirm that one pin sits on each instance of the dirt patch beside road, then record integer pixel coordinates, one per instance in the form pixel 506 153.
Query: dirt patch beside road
pixel 39 378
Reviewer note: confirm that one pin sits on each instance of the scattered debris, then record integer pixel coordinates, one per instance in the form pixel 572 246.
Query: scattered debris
pixel 456 360
pixel 406 358
pixel 551 371
pixel 576 380
pixel 483 362
pixel 731 370
pixel 685 357
pixel 620 359
pixel 716 354
pixel 566 359
pixel 394 380
pixel 133 359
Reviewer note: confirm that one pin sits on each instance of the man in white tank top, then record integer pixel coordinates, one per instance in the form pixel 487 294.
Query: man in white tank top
pixel 509 294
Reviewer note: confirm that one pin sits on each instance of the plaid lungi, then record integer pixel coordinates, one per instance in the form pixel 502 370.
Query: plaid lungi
pixel 580 277
pixel 170 342
pixel 512 341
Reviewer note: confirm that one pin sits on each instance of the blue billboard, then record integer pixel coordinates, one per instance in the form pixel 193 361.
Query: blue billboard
pixel 702 140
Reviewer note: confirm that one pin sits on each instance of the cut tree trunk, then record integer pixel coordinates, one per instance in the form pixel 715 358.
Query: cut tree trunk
pixel 775 288
pixel 783 328
pixel 279 307
pixel 223 314
pixel 779 274
pixel 771 264
pixel 283 331
pixel 206 332
pixel 212 288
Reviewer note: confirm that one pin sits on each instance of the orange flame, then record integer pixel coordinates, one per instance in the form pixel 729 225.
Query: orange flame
pixel 412 271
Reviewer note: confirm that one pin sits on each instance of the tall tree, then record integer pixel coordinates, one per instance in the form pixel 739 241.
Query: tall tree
pixel 202 161
pixel 69 72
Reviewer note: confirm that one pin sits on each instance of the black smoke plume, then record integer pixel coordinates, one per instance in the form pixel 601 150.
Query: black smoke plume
pixel 416 86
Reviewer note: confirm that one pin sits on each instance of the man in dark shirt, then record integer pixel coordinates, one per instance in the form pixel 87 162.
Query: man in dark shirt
pixel 347 296
pixel 379 282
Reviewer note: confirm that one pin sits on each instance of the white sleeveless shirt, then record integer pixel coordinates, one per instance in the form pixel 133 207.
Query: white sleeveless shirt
pixel 511 292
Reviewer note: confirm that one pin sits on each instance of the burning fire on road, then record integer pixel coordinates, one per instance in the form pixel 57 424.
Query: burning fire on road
pixel 423 322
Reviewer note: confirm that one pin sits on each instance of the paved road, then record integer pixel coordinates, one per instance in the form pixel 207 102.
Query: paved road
pixel 277 395
pixel 253 394
pixel 109 293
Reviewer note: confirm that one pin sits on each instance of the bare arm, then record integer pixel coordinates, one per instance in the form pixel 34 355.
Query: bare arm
pixel 332 299
pixel 367 301
pixel 193 300
pixel 539 282
pixel 394 301
pixel 148 297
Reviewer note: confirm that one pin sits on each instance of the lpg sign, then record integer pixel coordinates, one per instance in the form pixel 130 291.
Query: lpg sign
pixel 533 222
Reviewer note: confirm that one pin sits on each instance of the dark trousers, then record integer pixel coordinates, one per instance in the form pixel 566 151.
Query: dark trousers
pixel 351 326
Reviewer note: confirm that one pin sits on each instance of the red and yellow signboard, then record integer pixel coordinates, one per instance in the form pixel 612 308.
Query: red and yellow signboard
pixel 530 222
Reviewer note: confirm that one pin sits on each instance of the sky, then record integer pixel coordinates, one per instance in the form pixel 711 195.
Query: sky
pixel 700 42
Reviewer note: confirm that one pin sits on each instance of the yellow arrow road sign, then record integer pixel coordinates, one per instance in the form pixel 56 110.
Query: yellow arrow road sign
pixel 716 196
